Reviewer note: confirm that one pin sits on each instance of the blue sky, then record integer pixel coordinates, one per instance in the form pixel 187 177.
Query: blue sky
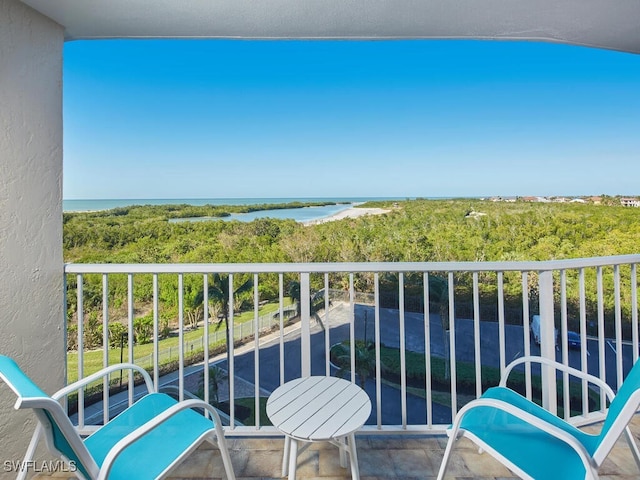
pixel 230 119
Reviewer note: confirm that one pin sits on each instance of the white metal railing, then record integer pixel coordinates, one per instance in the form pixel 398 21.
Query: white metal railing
pixel 377 303
pixel 241 331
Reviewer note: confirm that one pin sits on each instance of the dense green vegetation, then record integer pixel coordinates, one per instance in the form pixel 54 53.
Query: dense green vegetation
pixel 417 230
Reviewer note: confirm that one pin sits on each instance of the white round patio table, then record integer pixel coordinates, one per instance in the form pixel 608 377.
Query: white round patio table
pixel 318 409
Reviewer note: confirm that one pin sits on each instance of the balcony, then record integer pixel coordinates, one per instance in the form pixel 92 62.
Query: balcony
pixel 31 231
pixel 439 334
pixel 381 457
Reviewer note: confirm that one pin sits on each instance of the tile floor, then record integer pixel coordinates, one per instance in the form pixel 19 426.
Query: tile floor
pixel 381 457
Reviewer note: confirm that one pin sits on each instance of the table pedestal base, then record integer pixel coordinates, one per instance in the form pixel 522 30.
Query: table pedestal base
pixel 346 446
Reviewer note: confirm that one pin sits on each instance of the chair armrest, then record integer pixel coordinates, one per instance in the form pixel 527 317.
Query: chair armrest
pixel 552 430
pixel 141 431
pixel 558 366
pixel 63 392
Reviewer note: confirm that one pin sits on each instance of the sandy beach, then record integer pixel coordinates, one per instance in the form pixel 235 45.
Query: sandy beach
pixel 352 212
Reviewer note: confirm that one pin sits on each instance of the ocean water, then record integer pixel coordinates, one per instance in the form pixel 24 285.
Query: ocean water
pixel 298 214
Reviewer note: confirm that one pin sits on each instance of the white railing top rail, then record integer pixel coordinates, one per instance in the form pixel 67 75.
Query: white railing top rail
pixel 338 267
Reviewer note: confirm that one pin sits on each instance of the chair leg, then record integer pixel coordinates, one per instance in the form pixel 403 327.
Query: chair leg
pixel 632 445
pixel 224 453
pixel 31 450
pixel 447 455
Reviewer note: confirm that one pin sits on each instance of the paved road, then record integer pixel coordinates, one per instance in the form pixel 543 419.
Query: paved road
pixel 270 377
pixel 338 328
pixel 489 342
pixel 269 356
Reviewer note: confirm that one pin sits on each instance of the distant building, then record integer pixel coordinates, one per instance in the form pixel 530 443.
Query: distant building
pixel 596 200
pixel 630 202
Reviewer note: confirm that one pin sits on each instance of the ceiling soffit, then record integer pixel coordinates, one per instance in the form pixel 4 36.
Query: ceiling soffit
pixel 598 23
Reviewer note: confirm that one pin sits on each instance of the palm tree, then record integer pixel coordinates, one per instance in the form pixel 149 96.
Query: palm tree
pixel 216 376
pixel 316 301
pixel 365 355
pixel 193 306
pixel 293 291
pixel 218 292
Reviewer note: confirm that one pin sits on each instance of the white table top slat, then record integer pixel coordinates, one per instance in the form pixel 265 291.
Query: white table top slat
pixel 318 408
pixel 281 396
pixel 294 399
pixel 350 424
pixel 323 409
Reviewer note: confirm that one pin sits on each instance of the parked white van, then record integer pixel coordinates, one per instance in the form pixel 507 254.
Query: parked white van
pixel 535 330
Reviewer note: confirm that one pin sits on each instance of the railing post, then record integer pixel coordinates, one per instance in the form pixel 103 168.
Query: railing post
pixel 305 324
pixel 548 342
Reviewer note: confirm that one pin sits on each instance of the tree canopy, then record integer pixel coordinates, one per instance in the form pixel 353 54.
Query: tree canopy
pixel 414 230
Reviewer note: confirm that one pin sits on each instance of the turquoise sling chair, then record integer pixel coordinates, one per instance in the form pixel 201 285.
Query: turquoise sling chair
pixel 143 442
pixel 535 444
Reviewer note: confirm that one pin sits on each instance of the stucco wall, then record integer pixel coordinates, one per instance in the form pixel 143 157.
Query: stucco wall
pixel 31 327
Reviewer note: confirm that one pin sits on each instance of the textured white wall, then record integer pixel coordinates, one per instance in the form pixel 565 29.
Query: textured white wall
pixel 31 314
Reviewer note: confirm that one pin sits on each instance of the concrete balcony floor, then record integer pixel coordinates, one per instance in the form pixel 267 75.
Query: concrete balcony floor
pixel 381 457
